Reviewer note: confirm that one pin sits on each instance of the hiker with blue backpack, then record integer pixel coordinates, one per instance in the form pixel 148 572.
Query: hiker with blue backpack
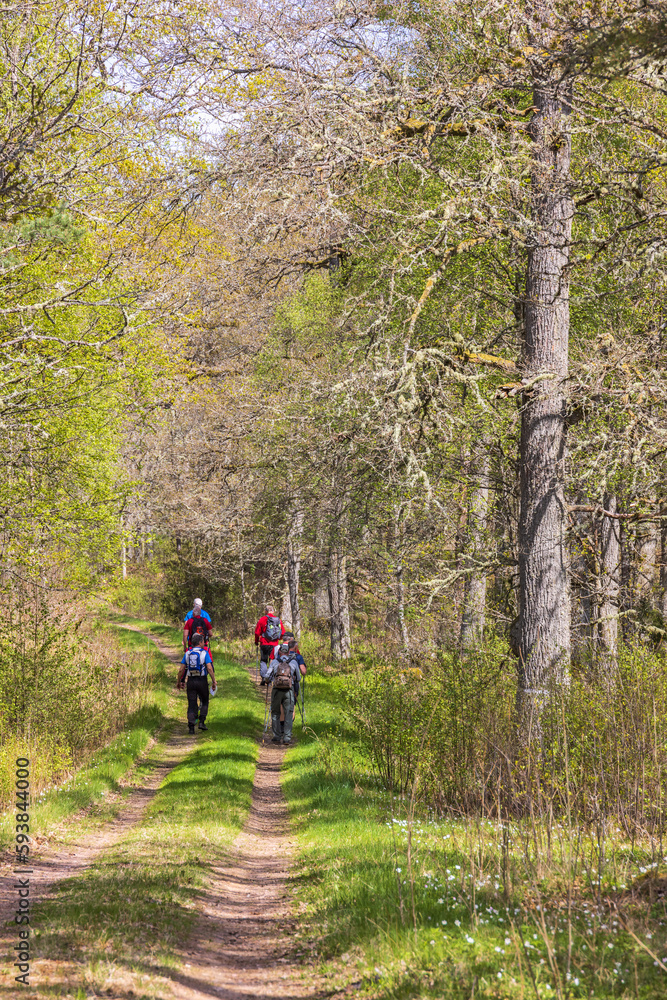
pixel 268 633
pixel 196 667
pixel 284 672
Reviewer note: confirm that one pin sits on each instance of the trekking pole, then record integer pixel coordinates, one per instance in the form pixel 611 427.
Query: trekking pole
pixel 303 706
pixel 266 707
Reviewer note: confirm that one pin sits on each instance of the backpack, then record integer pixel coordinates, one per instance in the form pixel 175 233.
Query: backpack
pixel 194 662
pixel 282 675
pixel 272 629
pixel 198 625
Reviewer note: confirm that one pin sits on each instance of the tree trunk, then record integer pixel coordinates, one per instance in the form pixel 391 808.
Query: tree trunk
pixel 610 584
pixel 123 549
pixel 334 620
pixel 663 564
pixel 285 605
pixel 321 605
pixel 399 531
pixel 244 601
pixel 474 588
pixel 338 600
pixel 544 622
pixel 647 551
pixel 294 539
pixel 627 626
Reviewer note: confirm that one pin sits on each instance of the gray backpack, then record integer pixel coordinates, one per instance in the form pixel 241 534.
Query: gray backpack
pixel 273 629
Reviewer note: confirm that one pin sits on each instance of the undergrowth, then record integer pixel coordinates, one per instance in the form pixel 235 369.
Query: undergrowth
pixel 64 785
pixel 403 901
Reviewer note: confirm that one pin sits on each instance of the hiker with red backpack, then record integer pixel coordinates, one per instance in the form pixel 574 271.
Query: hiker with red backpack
pixel 268 633
pixel 284 672
pixel 199 621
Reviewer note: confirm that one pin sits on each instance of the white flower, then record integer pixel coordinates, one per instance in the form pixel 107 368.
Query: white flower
pixel 432 942
pixel 458 923
pixel 398 869
pixel 508 940
pixel 470 940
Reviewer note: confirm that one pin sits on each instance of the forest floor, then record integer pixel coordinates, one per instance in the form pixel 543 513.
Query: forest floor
pixel 224 930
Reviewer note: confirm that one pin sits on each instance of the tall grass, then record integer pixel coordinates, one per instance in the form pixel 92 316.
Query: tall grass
pixel 67 687
pixel 451 726
pixel 409 889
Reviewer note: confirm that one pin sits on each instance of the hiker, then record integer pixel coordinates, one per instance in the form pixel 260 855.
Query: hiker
pixel 197 620
pixel 196 666
pixel 284 672
pixel 268 633
pixel 293 650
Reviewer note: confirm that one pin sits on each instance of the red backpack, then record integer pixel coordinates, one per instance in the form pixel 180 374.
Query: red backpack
pixel 198 625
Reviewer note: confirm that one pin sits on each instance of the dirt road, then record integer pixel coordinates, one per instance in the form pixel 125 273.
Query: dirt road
pixel 238 945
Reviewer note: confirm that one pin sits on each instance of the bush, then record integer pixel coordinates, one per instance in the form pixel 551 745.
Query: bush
pixel 448 729
pixel 64 690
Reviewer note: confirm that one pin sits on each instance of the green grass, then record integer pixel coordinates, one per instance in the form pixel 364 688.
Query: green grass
pixel 463 918
pixel 127 920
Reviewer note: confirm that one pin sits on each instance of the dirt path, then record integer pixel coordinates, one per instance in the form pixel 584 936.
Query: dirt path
pixel 246 931
pixel 239 950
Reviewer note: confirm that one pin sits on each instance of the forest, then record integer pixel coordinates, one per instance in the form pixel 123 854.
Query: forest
pixel 356 309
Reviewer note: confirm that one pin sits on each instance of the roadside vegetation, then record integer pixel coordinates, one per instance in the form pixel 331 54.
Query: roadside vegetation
pixel 406 899
pixel 126 692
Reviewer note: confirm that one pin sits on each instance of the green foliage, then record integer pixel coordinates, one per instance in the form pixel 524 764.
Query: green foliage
pixel 66 689
pixel 447 732
pixel 399 903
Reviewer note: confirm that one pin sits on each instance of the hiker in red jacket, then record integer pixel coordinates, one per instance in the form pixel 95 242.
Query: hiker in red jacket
pixel 268 633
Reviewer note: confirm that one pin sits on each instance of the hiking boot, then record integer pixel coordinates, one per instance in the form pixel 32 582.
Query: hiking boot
pixel 203 726
pixel 287 740
pixel 276 739
pixel 191 729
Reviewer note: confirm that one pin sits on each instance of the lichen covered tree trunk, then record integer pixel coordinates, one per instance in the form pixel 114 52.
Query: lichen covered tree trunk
pixel 294 540
pixel 544 620
pixel 610 584
pixel 474 594
pixel 338 601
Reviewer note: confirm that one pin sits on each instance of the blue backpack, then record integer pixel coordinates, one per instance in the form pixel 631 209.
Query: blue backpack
pixel 194 662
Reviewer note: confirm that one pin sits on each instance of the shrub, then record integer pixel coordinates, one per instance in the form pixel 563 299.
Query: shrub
pixel 64 690
pixel 451 726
